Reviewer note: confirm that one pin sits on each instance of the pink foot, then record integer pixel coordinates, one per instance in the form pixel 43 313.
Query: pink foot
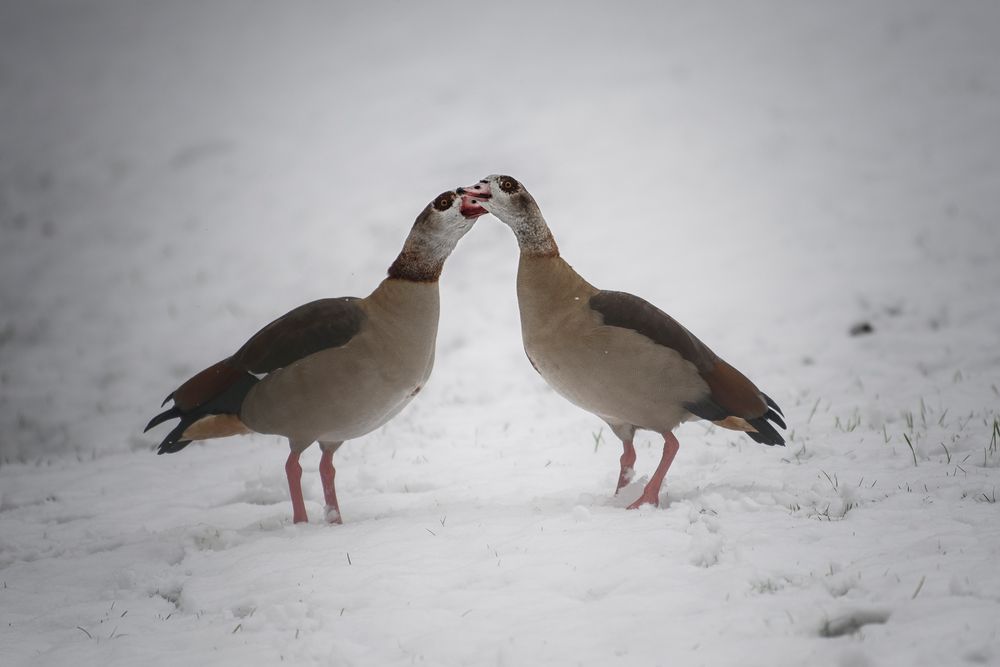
pixel 648 497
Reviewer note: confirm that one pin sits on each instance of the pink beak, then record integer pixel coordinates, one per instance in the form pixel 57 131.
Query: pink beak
pixel 470 208
pixel 480 190
pixel 472 196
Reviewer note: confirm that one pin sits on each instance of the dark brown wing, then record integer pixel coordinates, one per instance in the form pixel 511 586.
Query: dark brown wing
pixel 310 328
pixel 221 388
pixel 621 309
pixel 731 394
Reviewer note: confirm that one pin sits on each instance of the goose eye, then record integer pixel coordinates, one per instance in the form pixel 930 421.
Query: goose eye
pixel 508 185
pixel 443 202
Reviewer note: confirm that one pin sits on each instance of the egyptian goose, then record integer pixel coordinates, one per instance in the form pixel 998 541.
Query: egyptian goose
pixel 333 369
pixel 614 354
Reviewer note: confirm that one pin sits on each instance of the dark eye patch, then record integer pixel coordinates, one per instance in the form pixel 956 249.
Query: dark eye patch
pixel 509 185
pixel 444 201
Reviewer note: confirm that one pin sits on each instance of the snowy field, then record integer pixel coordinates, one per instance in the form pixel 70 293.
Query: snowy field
pixel 173 175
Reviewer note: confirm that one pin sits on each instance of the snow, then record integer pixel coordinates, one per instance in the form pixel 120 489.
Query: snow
pixel 174 175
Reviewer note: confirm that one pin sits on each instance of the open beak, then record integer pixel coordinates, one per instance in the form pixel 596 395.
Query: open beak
pixel 470 207
pixel 472 198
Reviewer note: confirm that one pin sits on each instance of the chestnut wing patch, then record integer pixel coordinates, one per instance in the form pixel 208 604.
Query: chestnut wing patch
pixel 310 328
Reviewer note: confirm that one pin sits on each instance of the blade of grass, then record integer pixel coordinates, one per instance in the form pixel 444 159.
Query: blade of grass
pixel 912 451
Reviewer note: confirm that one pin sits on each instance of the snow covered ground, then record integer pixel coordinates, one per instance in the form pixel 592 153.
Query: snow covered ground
pixel 173 175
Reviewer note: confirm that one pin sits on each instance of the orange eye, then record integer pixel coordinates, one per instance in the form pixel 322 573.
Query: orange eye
pixel 508 185
pixel 443 202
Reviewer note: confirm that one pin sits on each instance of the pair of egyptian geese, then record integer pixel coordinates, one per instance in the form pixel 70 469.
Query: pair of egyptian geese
pixel 336 369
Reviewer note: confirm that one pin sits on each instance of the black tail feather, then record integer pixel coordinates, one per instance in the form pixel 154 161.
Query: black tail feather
pixel 169 397
pixel 773 416
pixel 773 405
pixel 174 447
pixel 166 415
pixel 228 401
pixel 174 442
pixel 765 435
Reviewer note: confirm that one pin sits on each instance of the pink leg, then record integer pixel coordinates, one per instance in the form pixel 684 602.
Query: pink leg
pixel 327 473
pixel 294 472
pixel 651 494
pixel 628 464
